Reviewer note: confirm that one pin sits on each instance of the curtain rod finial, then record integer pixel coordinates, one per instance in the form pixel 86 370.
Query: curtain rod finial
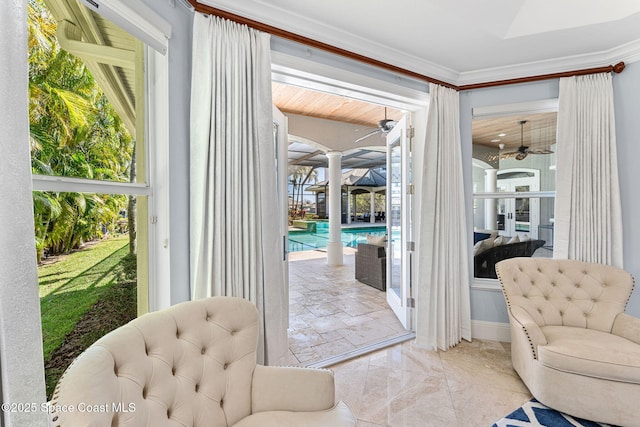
pixel 618 67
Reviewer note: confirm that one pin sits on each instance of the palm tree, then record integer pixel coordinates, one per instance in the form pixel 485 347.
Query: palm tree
pixel 74 131
pixel 299 176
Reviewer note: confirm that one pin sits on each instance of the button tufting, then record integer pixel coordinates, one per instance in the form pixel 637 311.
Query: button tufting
pixel 55 418
pixel 203 351
pixel 168 413
pixel 221 402
pixel 226 365
pixel 115 369
pixel 197 387
pixel 177 334
pixel 233 332
pixel 173 371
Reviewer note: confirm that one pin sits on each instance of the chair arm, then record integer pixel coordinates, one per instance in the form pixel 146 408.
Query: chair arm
pixel 626 326
pixel 531 329
pixel 291 389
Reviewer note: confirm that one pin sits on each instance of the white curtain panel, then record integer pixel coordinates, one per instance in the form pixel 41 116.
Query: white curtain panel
pixel 235 241
pixel 588 212
pixel 442 276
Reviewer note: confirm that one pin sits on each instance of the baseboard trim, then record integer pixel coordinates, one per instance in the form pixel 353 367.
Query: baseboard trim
pixel 492 331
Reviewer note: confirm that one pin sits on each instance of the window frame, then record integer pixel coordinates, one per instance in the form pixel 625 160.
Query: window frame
pixel 152 150
pixel 532 107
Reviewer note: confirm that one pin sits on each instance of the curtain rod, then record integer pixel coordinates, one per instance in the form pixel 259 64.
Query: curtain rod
pixel 260 26
pixel 615 68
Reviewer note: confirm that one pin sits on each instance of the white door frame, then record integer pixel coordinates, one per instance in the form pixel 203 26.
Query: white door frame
pixel 306 73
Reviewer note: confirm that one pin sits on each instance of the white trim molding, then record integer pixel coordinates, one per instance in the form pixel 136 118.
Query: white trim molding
pixel 491 331
pixel 137 18
pixel 82 185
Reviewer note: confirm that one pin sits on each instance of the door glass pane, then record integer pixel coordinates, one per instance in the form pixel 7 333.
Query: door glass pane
pixel 395 219
pixel 522 211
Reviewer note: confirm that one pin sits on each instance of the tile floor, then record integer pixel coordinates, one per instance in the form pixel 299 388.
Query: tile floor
pixel 331 313
pixel 472 384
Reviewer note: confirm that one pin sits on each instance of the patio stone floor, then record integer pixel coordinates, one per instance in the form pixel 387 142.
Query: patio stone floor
pixel 331 313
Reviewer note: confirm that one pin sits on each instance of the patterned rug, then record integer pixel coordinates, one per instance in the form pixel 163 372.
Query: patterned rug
pixel 535 414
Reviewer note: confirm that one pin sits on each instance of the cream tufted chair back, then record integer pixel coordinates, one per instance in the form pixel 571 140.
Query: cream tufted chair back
pixel 565 292
pixel 189 365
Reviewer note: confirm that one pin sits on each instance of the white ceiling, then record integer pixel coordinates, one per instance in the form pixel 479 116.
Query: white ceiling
pixel 463 41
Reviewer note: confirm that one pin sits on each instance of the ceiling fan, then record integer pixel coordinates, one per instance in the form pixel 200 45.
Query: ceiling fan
pixel 523 151
pixel 384 127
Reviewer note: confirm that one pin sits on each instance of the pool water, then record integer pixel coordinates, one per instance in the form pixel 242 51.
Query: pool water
pixel 303 240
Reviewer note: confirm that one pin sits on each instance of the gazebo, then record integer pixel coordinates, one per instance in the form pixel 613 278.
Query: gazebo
pixel 354 181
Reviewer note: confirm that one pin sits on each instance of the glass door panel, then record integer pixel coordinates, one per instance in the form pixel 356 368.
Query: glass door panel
pixel 398 224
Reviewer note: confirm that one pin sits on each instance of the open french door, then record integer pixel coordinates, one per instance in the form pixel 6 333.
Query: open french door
pixel 399 247
pixel 281 142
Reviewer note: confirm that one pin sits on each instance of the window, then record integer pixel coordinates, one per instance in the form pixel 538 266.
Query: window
pixel 98 126
pixel 513 188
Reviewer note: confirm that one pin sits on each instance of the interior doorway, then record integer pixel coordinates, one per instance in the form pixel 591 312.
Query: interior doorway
pixel 333 316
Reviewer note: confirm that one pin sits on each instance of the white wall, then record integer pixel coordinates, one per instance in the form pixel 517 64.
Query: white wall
pixel 331 134
pixel 626 88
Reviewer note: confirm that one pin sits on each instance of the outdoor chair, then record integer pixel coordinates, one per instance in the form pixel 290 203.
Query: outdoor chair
pixel 371 265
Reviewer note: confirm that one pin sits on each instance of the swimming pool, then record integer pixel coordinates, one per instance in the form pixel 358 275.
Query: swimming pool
pixel 303 240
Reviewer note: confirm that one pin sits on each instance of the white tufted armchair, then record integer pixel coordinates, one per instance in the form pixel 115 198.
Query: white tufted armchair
pixel 571 342
pixel 193 364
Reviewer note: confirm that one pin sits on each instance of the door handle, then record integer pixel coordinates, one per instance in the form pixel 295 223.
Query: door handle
pixel 285 246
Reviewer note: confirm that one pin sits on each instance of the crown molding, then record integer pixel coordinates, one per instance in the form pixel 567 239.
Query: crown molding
pixel 315 30
pixel 310 28
pixel 627 53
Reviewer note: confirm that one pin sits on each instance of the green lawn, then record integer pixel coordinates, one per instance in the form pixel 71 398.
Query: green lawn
pixel 71 286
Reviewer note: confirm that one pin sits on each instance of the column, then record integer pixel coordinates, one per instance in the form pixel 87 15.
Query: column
pixel 372 219
pixel 334 247
pixel 490 205
pixel 349 206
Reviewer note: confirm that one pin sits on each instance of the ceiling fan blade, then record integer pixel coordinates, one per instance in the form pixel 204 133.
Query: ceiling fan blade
pixel 368 135
pixel 539 151
pixel 509 155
